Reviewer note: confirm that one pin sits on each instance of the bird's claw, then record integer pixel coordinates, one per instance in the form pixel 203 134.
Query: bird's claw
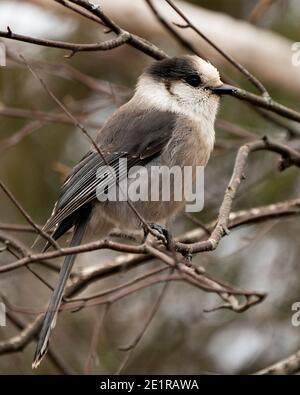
pixel 161 233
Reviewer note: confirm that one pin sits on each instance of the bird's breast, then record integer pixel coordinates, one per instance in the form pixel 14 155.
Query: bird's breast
pixel 191 144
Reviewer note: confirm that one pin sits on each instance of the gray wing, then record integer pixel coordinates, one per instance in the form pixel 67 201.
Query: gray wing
pixel 138 136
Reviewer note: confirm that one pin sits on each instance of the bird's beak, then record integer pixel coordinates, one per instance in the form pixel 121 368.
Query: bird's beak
pixel 223 89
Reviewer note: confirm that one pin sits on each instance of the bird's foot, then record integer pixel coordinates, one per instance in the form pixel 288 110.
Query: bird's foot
pixel 188 258
pixel 161 233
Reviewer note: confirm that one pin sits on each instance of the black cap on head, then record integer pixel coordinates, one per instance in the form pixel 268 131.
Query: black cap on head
pixel 172 69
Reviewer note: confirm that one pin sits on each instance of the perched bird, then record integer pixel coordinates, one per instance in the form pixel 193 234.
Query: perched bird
pixel 168 121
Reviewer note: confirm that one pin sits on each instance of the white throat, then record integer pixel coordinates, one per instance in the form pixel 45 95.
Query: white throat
pixel 154 96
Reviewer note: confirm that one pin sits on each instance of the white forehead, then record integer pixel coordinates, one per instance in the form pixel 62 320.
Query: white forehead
pixel 205 69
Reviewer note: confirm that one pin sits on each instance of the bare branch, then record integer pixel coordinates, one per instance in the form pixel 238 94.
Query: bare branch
pixel 230 59
pixel 122 39
pixel 260 9
pixel 135 41
pixel 42 116
pixel 287 366
pixel 39 230
pixel 289 157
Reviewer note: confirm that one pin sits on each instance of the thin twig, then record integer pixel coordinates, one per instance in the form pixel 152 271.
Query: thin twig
pixel 39 230
pixel 260 9
pixel 228 57
pixel 94 340
pixel 289 157
pixel 131 39
pixel 286 366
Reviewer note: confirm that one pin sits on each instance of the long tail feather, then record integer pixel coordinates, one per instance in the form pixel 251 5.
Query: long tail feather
pixel 52 311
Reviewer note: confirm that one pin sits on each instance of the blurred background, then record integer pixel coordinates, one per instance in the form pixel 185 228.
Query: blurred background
pixel 37 149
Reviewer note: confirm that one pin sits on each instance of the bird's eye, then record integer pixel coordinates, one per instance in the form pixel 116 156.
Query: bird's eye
pixel 193 80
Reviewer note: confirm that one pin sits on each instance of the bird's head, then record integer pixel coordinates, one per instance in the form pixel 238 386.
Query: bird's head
pixel 186 84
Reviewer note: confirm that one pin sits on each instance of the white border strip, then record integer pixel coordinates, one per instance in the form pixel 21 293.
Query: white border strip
pixel 2 55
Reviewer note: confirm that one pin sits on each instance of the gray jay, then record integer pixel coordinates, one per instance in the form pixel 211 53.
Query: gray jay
pixel 168 121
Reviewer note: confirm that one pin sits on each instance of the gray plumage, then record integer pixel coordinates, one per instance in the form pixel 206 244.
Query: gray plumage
pixel 169 121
